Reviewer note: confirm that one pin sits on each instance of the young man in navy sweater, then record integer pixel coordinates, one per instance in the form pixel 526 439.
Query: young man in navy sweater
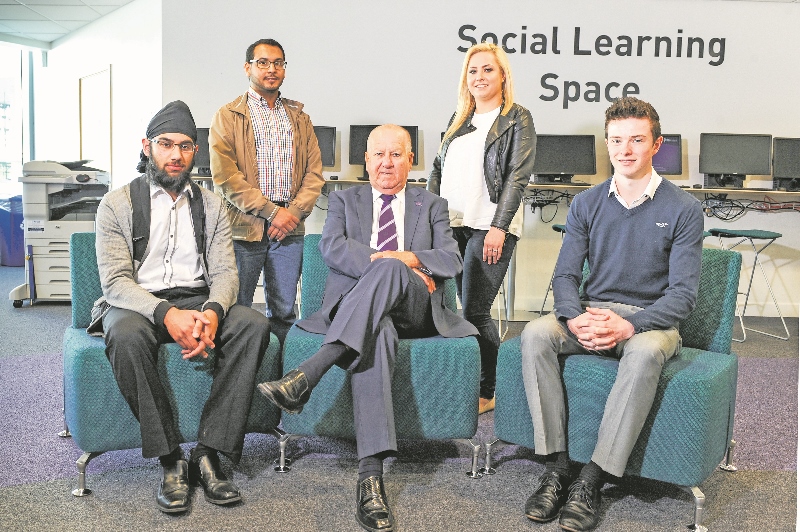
pixel 643 238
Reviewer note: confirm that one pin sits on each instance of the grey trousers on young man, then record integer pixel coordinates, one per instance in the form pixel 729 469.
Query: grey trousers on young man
pixel 641 360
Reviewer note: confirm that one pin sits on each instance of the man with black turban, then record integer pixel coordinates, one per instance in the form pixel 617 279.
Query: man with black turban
pixel 167 269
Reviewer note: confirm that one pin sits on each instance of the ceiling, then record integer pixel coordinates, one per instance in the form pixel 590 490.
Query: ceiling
pixel 40 22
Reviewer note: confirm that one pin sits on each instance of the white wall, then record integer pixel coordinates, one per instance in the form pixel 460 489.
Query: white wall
pixel 354 62
pixel 129 40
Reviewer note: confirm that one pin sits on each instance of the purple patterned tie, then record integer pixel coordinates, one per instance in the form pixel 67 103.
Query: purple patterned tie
pixel 387 231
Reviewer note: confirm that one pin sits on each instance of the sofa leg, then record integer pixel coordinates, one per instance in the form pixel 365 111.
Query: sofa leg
pixel 65 433
pixel 282 464
pixel 476 449
pixel 82 462
pixel 699 507
pixel 487 468
pixel 727 465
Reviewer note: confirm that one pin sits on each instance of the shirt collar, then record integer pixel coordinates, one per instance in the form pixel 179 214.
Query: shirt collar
pixel 650 191
pixel 155 190
pixel 253 95
pixel 401 195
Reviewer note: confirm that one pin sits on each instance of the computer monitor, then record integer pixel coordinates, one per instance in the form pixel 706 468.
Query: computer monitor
pixel 202 159
pixel 358 144
pixel 560 157
pixel 669 159
pixel 326 137
pixel 786 163
pixel 726 159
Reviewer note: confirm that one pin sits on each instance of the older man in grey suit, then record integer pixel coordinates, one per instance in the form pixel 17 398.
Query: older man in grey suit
pixel 389 249
pixel 165 256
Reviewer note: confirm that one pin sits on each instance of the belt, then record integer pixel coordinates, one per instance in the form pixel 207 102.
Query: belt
pixel 281 203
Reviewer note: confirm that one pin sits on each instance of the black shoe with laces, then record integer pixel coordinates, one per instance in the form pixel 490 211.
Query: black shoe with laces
pixel 548 498
pixel 582 509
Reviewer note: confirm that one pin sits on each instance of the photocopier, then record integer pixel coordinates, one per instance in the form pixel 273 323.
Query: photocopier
pixel 58 199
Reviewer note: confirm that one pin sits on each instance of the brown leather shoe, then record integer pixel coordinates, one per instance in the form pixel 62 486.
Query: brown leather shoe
pixel 372 510
pixel 207 472
pixel 173 492
pixel 290 393
pixel 485 405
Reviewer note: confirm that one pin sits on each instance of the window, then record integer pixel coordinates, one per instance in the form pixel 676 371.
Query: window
pixel 16 65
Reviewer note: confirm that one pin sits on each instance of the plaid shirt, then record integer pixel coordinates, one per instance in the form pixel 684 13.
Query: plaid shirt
pixel 274 154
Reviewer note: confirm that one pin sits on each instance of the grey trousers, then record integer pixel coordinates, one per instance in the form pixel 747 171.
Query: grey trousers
pixel 641 359
pixel 388 302
pixel 132 343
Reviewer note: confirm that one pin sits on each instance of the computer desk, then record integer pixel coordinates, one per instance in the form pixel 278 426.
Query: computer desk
pixel 337 183
pixel 570 188
pixel 720 193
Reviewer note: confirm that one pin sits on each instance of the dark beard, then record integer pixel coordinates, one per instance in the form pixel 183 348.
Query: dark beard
pixel 160 178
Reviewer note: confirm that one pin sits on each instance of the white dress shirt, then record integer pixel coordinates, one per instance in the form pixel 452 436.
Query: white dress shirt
pixel 649 192
pixel 172 260
pixel 398 206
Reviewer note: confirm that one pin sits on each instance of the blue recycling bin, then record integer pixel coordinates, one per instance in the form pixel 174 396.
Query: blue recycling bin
pixel 12 236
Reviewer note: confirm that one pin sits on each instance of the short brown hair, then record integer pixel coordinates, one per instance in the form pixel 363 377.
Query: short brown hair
pixel 630 107
pixel 251 50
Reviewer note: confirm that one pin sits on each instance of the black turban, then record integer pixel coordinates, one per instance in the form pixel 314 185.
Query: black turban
pixel 175 117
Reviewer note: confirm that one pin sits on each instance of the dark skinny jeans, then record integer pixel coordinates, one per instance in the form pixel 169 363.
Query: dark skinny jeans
pixel 477 286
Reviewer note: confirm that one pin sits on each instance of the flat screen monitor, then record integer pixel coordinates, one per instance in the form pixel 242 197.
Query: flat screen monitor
pixel 358 142
pixel 786 163
pixel 727 158
pixel 669 159
pixel 202 159
pixel 326 137
pixel 560 157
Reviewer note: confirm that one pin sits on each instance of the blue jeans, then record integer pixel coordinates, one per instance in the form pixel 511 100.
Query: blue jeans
pixel 477 287
pixel 281 263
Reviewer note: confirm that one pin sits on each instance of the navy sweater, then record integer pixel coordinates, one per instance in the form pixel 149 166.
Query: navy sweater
pixel 648 256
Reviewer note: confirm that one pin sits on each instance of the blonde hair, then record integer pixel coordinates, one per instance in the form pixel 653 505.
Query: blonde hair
pixel 466 102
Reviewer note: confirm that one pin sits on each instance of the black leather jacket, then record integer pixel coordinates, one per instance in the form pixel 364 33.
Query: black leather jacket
pixel 507 161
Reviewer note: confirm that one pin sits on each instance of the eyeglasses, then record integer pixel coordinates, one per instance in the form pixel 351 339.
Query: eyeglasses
pixel 264 64
pixel 167 145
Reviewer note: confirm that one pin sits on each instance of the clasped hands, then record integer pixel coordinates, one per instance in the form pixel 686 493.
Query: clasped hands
pixel 409 259
pixel 600 328
pixel 194 331
pixel 283 223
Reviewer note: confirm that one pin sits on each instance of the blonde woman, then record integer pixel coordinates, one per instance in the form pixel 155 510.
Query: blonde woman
pixel 483 165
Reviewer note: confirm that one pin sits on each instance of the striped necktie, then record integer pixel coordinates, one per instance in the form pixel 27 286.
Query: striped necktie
pixel 387 231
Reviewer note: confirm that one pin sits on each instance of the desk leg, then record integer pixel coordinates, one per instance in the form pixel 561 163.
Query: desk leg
pixel 510 280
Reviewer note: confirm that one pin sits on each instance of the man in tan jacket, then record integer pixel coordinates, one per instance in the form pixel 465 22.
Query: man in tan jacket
pixel 265 161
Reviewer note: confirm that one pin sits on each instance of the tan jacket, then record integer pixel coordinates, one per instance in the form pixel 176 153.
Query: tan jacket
pixel 234 169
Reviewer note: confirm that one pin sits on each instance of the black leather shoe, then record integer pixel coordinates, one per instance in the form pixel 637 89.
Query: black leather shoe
pixel 582 509
pixel 372 510
pixel 549 497
pixel 207 472
pixel 173 492
pixel 290 393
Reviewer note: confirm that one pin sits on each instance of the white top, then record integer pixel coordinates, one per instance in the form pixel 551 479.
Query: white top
pixel 398 209
pixel 463 183
pixel 173 259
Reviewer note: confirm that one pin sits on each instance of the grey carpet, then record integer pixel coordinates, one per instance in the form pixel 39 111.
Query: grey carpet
pixel 426 483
